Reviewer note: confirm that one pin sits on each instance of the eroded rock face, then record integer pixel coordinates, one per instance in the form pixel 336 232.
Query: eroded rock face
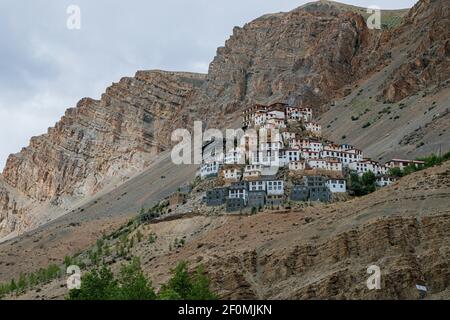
pixel 13 210
pixel 99 139
pixel 428 63
pixel 98 142
pixel 302 57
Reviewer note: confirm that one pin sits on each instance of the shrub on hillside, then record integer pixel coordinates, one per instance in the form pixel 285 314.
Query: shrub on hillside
pixel 131 284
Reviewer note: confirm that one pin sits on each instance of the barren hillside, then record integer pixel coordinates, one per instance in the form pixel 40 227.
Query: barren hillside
pixel 321 251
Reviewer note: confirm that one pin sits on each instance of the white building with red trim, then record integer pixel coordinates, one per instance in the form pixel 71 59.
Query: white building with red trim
pixel 299 165
pixel 333 165
pixel 368 165
pixel 231 173
pixel 297 114
pixel 308 154
pixel 402 164
pixel 346 157
pixel 384 181
pixel 310 144
pixel 314 128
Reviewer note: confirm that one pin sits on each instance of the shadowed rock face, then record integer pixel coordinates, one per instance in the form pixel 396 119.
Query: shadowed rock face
pixel 305 57
pixel 428 62
pixel 300 57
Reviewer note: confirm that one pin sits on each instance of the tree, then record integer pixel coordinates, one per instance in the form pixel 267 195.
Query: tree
pixel 201 286
pixel 369 180
pixel 355 185
pixel 409 169
pixel 360 186
pixel 68 261
pixel 99 284
pixel 12 285
pixel 180 282
pixel 183 286
pixel 22 283
pixel 133 283
pixel 396 172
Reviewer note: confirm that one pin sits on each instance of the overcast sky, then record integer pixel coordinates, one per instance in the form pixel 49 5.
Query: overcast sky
pixel 46 68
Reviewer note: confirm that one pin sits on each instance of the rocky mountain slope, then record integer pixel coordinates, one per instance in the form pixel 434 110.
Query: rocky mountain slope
pixel 316 252
pixel 96 144
pixel 320 55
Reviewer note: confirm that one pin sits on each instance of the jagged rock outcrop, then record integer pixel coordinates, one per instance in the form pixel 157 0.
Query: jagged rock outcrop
pixel 98 142
pixel 302 57
pixel 12 212
pixel 428 62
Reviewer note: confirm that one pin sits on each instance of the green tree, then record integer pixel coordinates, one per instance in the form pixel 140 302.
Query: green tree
pixel 12 286
pixel 180 282
pixel 183 286
pixel 368 180
pixel 99 284
pixel 133 283
pixel 68 261
pixel 409 169
pixel 22 283
pixel 396 172
pixel 355 185
pixel 201 286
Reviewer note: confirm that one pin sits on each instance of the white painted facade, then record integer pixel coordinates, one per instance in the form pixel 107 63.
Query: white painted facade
pixel 252 171
pixel 320 164
pixel 367 165
pixel 275 187
pixel 240 193
pixel 402 164
pixel 297 165
pixel 297 114
pixel 346 157
pixel 232 174
pixel 337 185
pixel 314 128
pixel 309 155
pixel 235 156
pixel 258 185
pixel 334 165
pixel 385 181
pixel 209 169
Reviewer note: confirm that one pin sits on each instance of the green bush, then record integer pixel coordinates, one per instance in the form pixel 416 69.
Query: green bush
pixel 183 286
pixel 27 281
pixel 131 284
pixel 361 186
pixel 99 284
pixel 430 161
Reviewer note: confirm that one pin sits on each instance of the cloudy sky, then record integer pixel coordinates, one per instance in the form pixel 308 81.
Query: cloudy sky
pixel 46 68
